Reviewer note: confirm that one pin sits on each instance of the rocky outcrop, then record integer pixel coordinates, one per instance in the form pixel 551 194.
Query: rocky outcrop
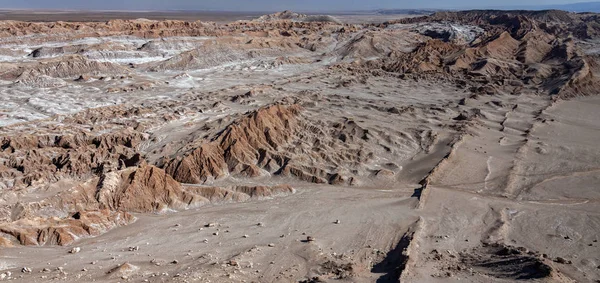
pixel 71 66
pixel 57 231
pixel 226 51
pixel 123 271
pixel 238 148
pixel 240 193
pixel 517 51
pixel 292 16
pixel 106 176
pixel 105 202
pixel 144 189
pixel 160 29
pixel 276 140
pixel 32 159
pixel 376 44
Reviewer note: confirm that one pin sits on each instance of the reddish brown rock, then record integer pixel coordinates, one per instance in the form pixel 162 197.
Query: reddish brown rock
pixel 144 189
pixel 55 231
pixel 237 149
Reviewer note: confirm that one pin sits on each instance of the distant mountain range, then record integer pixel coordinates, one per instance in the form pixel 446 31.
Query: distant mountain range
pixel 574 7
pixel 407 11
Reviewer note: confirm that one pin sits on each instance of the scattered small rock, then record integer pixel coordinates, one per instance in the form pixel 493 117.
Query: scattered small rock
pixel 5 275
pixel 26 270
pixel 562 260
pixel 75 250
pixel 232 263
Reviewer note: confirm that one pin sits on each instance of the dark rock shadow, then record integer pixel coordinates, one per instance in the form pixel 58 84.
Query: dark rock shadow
pixel 417 193
pixel 394 262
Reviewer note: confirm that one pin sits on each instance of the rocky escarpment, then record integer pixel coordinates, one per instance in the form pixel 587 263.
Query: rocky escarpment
pixel 61 231
pixel 223 52
pixel 240 147
pixel 104 176
pixel 582 25
pixel 105 202
pixel 31 160
pixel 276 141
pixel 71 66
pixel 517 52
pixel 158 29
pixel 292 16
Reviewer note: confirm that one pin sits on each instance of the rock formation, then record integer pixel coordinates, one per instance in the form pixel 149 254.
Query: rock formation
pixel 65 231
pixel 518 50
pixel 240 147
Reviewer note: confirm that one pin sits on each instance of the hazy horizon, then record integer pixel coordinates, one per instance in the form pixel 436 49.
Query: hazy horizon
pixel 269 5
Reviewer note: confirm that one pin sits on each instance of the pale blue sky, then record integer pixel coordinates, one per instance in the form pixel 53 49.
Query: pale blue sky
pixel 269 5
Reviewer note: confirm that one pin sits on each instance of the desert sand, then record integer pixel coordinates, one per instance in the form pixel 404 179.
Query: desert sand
pixel 460 146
